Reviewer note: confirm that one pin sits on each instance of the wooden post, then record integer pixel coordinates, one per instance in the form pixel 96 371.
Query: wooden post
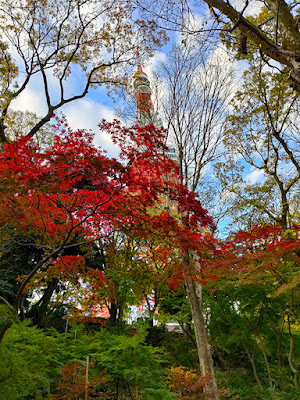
pixel 86 378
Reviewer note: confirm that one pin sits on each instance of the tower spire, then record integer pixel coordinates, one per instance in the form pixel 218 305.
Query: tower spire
pixel 142 92
pixel 138 62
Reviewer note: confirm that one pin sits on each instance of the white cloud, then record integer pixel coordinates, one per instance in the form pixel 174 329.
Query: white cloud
pixel 152 63
pixel 254 7
pixel 86 114
pixel 81 114
pixel 255 176
pixel 220 55
pixel 31 100
pixel 195 21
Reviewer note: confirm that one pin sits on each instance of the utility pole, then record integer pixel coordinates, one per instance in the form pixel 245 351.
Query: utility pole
pixel 86 378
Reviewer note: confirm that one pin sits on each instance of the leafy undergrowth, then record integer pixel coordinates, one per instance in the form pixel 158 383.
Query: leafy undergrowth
pixel 240 386
pixel 39 365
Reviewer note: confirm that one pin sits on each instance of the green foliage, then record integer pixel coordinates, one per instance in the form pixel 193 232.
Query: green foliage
pixel 179 344
pixel 180 349
pixel 238 386
pixel 261 136
pixel 249 325
pixel 32 359
pixel 18 257
pixel 6 314
pixel 29 359
pixel 132 365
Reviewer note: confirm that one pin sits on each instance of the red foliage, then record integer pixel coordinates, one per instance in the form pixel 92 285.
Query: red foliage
pixel 187 385
pixel 73 383
pixel 264 252
pixel 73 192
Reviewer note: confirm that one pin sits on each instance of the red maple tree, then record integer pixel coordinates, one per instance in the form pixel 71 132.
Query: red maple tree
pixel 73 193
pixel 264 253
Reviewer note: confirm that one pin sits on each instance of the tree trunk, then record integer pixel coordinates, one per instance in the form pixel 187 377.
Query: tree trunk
pixel 262 347
pixel 280 351
pixel 290 357
pixel 8 324
pixel 253 365
pixel 205 358
pixel 4 329
pixel 267 363
pixel 3 138
pixel 113 311
pixel 38 311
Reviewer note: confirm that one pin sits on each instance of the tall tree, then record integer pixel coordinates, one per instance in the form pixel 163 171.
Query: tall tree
pixel 197 89
pixel 274 32
pixel 54 41
pixel 280 43
pixel 262 137
pixel 268 256
pixel 196 93
pixel 261 178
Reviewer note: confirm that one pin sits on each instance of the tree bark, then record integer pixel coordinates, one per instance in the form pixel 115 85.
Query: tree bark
pixel 288 53
pixel 291 352
pixel 263 349
pixel 38 310
pixel 8 324
pixel 253 365
pixel 4 329
pixel 205 358
pixel 280 352
pixel 113 310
